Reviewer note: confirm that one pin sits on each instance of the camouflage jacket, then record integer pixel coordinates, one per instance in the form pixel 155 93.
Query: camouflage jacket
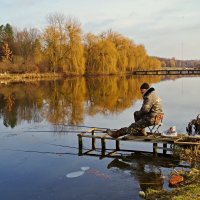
pixel 151 104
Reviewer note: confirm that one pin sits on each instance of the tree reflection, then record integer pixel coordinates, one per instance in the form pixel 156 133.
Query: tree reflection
pixel 66 101
pixel 113 94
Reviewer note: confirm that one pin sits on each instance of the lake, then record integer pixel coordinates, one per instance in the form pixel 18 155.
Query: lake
pixel 39 150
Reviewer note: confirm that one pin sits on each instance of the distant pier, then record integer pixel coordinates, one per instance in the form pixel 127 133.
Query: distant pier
pixel 168 72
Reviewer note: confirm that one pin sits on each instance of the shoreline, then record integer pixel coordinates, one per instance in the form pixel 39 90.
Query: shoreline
pixel 6 77
pixel 29 77
pixel 187 192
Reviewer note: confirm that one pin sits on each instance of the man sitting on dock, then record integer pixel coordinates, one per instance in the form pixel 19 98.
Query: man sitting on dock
pixel 150 114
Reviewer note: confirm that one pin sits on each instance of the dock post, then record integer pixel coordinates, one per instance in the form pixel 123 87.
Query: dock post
pixel 164 149
pixel 103 146
pixel 117 145
pixel 93 141
pixel 155 148
pixel 80 144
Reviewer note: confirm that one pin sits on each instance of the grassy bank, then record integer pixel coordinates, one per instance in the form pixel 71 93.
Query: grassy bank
pixel 190 187
pixel 188 192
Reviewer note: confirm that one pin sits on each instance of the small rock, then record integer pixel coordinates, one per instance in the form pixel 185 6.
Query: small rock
pixel 175 179
pixel 142 194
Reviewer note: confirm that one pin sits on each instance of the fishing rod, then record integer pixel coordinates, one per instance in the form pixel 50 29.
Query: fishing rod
pixel 42 152
pixel 61 131
pixel 81 126
pixel 54 131
pixel 72 131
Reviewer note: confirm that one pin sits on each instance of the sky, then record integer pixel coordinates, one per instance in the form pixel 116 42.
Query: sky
pixel 167 28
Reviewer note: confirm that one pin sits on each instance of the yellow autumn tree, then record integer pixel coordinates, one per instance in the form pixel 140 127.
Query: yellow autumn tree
pixel 63 47
pixel 122 46
pixel 131 56
pixel 74 61
pixel 153 63
pixel 140 57
pixel 51 48
pixel 37 52
pixel 89 51
pixel 101 55
pixel 7 53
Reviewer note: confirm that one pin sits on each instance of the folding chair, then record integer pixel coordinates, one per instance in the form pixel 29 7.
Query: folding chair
pixel 157 123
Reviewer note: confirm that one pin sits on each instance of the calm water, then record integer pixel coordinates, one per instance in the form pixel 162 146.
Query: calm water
pixel 42 165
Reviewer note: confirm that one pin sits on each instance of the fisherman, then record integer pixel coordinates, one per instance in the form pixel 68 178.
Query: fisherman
pixel 150 114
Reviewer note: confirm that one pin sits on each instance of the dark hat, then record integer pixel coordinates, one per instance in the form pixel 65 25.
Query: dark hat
pixel 144 86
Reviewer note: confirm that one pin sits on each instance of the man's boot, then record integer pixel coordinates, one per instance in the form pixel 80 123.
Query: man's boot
pixel 138 132
pixel 117 133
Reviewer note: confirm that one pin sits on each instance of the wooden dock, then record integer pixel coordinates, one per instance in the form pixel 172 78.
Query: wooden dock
pixel 168 72
pixel 165 144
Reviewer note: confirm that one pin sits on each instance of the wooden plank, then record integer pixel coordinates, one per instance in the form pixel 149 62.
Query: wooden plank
pixel 103 146
pixel 117 145
pixel 155 149
pixel 188 143
pixel 111 153
pixel 80 144
pixel 89 151
pixel 93 140
pixel 164 149
pixel 90 130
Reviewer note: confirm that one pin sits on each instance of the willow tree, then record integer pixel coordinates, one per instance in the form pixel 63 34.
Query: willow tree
pixel 122 46
pixel 51 48
pixel 140 56
pixel 74 61
pixel 89 44
pixel 37 52
pixel 54 41
pixel 101 56
pixel 63 47
pixel 131 56
pixel 153 63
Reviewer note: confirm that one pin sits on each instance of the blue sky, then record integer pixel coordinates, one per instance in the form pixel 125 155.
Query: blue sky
pixel 167 28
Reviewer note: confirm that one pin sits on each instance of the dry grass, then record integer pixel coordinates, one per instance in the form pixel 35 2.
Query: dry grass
pixel 6 78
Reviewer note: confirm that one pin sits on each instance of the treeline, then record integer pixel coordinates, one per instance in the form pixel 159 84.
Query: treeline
pixel 62 47
pixel 172 62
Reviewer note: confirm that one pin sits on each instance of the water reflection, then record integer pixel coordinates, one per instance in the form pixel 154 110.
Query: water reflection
pixel 146 169
pixel 67 101
pixel 41 159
